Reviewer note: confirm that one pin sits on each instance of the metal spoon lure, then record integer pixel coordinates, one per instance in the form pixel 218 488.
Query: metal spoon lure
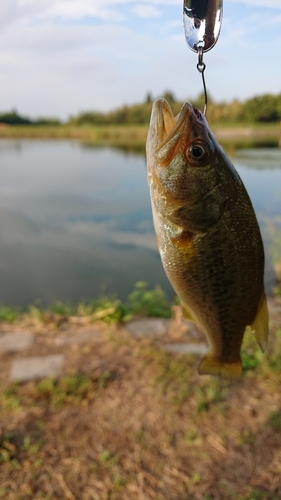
pixel 202 24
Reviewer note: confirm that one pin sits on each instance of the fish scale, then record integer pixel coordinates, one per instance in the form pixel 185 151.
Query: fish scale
pixel 207 233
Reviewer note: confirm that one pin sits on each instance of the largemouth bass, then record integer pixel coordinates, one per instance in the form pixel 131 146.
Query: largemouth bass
pixel 207 234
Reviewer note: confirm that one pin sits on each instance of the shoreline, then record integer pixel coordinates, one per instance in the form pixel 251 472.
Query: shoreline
pixel 132 134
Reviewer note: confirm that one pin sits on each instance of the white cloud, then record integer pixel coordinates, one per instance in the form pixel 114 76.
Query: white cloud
pixel 146 11
pixel 275 4
pixel 66 10
pixel 53 61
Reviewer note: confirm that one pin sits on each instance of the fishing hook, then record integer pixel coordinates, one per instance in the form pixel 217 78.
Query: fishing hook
pixel 202 24
pixel 201 66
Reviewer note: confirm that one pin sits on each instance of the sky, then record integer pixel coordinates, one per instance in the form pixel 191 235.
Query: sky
pixel 62 57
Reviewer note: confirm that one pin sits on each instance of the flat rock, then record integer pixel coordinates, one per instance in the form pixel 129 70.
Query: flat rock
pixel 16 341
pixel 78 337
pixel 37 367
pixel 200 349
pixel 152 327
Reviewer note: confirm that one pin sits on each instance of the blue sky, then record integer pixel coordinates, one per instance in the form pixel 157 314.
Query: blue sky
pixel 60 57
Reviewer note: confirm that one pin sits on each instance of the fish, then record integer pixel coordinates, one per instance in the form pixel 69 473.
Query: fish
pixel 207 235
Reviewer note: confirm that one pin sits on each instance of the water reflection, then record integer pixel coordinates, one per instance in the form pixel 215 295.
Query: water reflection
pixel 75 220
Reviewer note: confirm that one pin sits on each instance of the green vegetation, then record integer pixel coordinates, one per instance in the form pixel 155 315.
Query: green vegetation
pixel 260 109
pixel 253 123
pixel 75 389
pixel 141 301
pixel 13 118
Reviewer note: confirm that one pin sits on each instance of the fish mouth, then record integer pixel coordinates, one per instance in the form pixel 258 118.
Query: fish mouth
pixel 168 134
pixel 165 125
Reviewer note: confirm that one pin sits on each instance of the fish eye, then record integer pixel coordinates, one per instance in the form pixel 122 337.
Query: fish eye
pixel 198 152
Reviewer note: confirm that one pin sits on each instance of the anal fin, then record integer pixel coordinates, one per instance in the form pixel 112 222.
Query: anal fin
pixel 187 314
pixel 260 324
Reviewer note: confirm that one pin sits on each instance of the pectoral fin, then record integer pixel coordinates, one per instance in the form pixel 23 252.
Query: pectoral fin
pixel 260 324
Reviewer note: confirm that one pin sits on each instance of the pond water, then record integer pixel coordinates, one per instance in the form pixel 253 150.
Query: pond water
pixel 75 221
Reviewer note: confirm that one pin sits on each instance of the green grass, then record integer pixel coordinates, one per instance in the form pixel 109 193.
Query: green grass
pixel 76 389
pixel 142 301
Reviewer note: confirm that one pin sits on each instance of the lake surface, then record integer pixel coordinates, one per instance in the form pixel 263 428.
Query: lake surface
pixel 75 221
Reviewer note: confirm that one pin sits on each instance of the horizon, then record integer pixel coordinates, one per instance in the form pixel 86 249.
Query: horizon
pixel 64 57
pixel 69 117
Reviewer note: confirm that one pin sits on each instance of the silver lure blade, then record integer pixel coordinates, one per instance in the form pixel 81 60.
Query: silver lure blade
pixel 202 23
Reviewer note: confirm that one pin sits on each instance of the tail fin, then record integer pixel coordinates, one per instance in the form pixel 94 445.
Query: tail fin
pixel 214 366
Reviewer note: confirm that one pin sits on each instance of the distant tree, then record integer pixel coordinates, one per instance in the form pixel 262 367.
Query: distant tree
pixel 13 118
pixel 148 98
pixel 169 96
pixel 47 121
pixel 262 108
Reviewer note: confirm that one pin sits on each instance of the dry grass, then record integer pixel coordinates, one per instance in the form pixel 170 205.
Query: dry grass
pixel 128 421
pixel 134 136
pixel 122 136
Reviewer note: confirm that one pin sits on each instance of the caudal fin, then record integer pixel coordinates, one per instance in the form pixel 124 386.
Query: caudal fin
pixel 213 366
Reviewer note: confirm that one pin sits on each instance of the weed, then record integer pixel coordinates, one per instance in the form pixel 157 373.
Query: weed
pixel 275 421
pixel 140 435
pixel 258 494
pixel 103 379
pixel 172 374
pixel 249 359
pixel 251 353
pixel 30 448
pixel 76 389
pixel 196 478
pixel 247 437
pixel 8 314
pixel 141 301
pixel 35 313
pixel 275 362
pixel 208 394
pixel 62 309
pixel 7 447
pixel 148 302
pixel 107 458
pixel 72 389
pixel 9 398
pixel 119 482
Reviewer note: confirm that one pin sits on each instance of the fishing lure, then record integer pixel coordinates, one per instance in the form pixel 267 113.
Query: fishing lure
pixel 202 24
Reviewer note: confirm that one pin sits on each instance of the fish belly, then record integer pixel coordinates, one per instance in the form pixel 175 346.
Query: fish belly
pixel 218 275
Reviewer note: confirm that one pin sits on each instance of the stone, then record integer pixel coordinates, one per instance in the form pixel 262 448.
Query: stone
pixel 16 341
pixel 37 367
pixel 152 327
pixel 199 349
pixel 77 337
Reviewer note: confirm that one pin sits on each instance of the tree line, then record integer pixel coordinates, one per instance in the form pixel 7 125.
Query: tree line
pixel 264 108
pixel 14 118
